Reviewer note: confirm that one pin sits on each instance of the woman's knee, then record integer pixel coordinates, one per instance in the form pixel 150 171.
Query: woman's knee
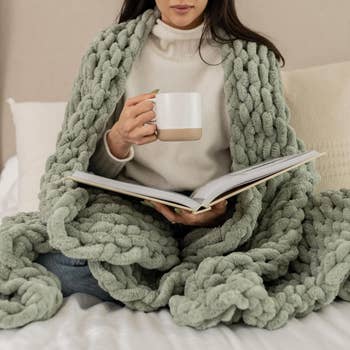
pixel 64 267
pixel 70 271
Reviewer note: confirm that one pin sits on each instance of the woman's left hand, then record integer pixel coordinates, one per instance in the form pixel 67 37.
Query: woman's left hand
pixel 208 218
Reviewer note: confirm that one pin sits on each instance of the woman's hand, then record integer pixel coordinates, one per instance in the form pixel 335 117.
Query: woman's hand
pixel 134 125
pixel 211 218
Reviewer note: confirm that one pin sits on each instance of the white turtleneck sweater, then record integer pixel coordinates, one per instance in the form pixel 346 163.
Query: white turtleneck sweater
pixel 170 61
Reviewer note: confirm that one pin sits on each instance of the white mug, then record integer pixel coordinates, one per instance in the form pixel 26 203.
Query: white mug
pixel 178 116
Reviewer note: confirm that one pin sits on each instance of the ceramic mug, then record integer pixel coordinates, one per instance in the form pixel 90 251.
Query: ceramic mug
pixel 178 116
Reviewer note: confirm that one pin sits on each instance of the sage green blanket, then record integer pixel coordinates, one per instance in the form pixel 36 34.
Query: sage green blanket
pixel 284 253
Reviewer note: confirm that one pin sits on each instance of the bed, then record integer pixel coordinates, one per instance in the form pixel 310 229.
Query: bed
pixel 86 322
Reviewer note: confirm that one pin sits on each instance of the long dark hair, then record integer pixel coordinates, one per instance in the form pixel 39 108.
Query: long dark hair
pixel 218 14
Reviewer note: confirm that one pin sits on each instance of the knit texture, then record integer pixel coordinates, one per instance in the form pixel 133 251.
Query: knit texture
pixel 284 253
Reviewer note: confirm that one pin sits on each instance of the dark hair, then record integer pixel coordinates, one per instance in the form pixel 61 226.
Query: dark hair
pixel 218 14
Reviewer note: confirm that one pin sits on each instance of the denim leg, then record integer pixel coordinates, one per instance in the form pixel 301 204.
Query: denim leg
pixel 74 274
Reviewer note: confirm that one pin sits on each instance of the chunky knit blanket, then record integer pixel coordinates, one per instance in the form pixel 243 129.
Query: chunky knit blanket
pixel 284 253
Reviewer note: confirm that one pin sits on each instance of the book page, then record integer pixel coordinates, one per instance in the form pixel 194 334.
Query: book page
pixel 205 194
pixel 201 192
pixel 130 188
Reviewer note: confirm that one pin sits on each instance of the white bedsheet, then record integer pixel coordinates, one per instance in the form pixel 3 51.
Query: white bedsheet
pixel 85 322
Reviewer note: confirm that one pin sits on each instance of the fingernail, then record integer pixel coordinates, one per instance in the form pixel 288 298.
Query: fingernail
pixel 178 210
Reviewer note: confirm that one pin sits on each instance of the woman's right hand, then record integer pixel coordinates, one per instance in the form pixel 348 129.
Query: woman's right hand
pixel 132 126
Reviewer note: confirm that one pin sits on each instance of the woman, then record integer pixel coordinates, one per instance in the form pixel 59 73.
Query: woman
pixel 171 61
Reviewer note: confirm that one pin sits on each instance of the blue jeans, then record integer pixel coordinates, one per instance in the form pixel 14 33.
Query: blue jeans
pixel 74 274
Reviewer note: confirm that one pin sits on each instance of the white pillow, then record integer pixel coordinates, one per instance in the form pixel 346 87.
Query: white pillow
pixel 319 101
pixel 9 187
pixel 37 125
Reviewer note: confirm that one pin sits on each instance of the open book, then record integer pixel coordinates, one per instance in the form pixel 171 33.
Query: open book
pixel 208 194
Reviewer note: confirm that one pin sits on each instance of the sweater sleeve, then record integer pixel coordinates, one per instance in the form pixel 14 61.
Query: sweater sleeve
pixel 102 161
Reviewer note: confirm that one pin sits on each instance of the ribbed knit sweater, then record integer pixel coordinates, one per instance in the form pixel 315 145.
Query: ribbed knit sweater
pixel 170 62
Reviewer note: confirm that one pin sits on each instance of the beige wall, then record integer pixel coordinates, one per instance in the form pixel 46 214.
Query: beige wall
pixel 42 42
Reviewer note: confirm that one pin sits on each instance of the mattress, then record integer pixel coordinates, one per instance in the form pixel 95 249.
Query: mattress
pixel 85 322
